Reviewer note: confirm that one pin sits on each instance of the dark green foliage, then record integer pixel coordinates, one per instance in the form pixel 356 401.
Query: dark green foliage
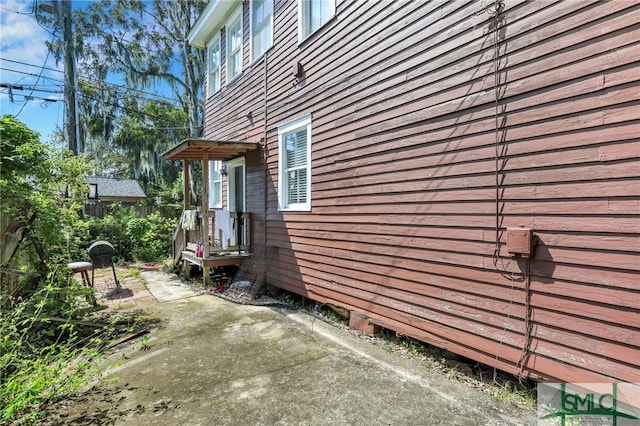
pixel 136 238
pixel 42 191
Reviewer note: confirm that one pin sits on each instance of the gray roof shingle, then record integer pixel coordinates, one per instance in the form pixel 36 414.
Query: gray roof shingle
pixel 113 188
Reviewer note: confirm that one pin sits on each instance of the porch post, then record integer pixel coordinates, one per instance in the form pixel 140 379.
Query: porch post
pixel 205 214
pixel 186 266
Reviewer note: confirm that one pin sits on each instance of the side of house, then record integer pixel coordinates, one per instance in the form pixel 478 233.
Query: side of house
pixel 402 143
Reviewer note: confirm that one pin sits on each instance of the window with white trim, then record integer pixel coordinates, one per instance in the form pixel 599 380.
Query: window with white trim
pixel 312 14
pixel 294 165
pixel 213 53
pixel 215 187
pixel 234 45
pixel 261 14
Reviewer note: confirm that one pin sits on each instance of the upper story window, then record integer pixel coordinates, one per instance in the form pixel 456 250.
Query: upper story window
pixel 312 14
pixel 294 165
pixel 213 54
pixel 234 45
pixel 261 12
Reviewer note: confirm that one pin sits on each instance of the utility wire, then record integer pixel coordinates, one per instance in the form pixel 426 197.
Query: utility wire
pixel 87 80
pixel 138 113
pixel 12 87
pixel 31 65
pixel 36 83
pixel 22 87
pixel 112 85
pixel 17 12
pixel 31 97
pixel 31 74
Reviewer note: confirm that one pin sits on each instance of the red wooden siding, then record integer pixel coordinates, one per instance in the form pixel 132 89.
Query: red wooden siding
pixel 417 157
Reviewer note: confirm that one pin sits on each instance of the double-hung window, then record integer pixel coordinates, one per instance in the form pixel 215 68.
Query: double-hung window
pixel 213 54
pixel 215 188
pixel 261 12
pixel 312 14
pixel 234 45
pixel 294 165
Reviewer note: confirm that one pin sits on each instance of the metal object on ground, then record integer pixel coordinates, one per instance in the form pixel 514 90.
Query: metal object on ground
pixel 248 282
pixel 101 254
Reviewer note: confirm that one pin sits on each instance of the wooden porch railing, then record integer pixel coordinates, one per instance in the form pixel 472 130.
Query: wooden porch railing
pixel 178 243
pixel 187 240
pixel 240 232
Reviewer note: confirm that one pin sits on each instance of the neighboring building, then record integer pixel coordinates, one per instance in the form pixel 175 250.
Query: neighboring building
pixel 403 142
pixel 106 191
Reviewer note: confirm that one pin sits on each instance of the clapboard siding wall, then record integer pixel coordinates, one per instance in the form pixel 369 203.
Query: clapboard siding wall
pixel 436 126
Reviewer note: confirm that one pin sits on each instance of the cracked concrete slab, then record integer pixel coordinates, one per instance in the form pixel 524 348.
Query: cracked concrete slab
pixel 167 287
pixel 212 362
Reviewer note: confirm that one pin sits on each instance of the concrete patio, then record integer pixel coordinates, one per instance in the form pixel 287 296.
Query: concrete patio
pixel 213 362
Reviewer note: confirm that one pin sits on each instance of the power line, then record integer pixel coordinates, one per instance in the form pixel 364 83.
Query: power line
pixel 36 84
pixel 22 87
pixel 90 80
pixel 31 65
pixel 118 86
pixel 140 114
pixel 11 87
pixel 32 97
pixel 17 11
pixel 29 73
pixel 135 112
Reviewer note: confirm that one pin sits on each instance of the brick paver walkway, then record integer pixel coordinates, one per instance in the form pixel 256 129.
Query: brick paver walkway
pixel 132 294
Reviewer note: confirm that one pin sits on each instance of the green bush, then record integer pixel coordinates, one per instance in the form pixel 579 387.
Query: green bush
pixel 136 238
pixel 42 189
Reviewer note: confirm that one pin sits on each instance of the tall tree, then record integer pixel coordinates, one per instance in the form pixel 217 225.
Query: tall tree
pixel 143 135
pixel 144 43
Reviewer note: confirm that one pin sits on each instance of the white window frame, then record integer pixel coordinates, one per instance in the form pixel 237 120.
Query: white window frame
pixel 231 182
pixel 283 131
pixel 269 28
pixel 215 184
pixel 235 18
pixel 213 80
pixel 303 12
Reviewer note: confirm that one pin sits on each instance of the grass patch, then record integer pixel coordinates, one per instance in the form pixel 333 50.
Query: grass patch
pixel 500 385
pixel 50 347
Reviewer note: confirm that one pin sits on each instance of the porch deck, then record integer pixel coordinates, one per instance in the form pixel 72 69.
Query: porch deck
pixel 185 243
pixel 202 229
pixel 215 259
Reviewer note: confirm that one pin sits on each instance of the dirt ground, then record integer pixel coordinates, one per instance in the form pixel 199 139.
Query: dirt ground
pixel 208 361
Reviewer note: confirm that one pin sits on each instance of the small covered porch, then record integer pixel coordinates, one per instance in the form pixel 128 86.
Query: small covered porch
pixel 210 237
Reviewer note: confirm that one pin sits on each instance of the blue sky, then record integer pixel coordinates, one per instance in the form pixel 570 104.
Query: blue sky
pixel 25 62
pixel 36 98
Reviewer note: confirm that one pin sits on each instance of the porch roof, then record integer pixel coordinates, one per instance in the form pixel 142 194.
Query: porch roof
pixel 194 149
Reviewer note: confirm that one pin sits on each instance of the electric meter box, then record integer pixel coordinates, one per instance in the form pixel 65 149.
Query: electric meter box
pixel 520 241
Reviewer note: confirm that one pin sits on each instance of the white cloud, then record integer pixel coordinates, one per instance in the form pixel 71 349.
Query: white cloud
pixel 22 37
pixel 23 53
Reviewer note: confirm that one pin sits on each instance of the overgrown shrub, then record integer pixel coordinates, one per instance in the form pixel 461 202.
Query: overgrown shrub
pixel 40 359
pixel 136 238
pixel 42 189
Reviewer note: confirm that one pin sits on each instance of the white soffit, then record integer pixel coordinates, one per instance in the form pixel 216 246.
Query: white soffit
pixel 212 17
